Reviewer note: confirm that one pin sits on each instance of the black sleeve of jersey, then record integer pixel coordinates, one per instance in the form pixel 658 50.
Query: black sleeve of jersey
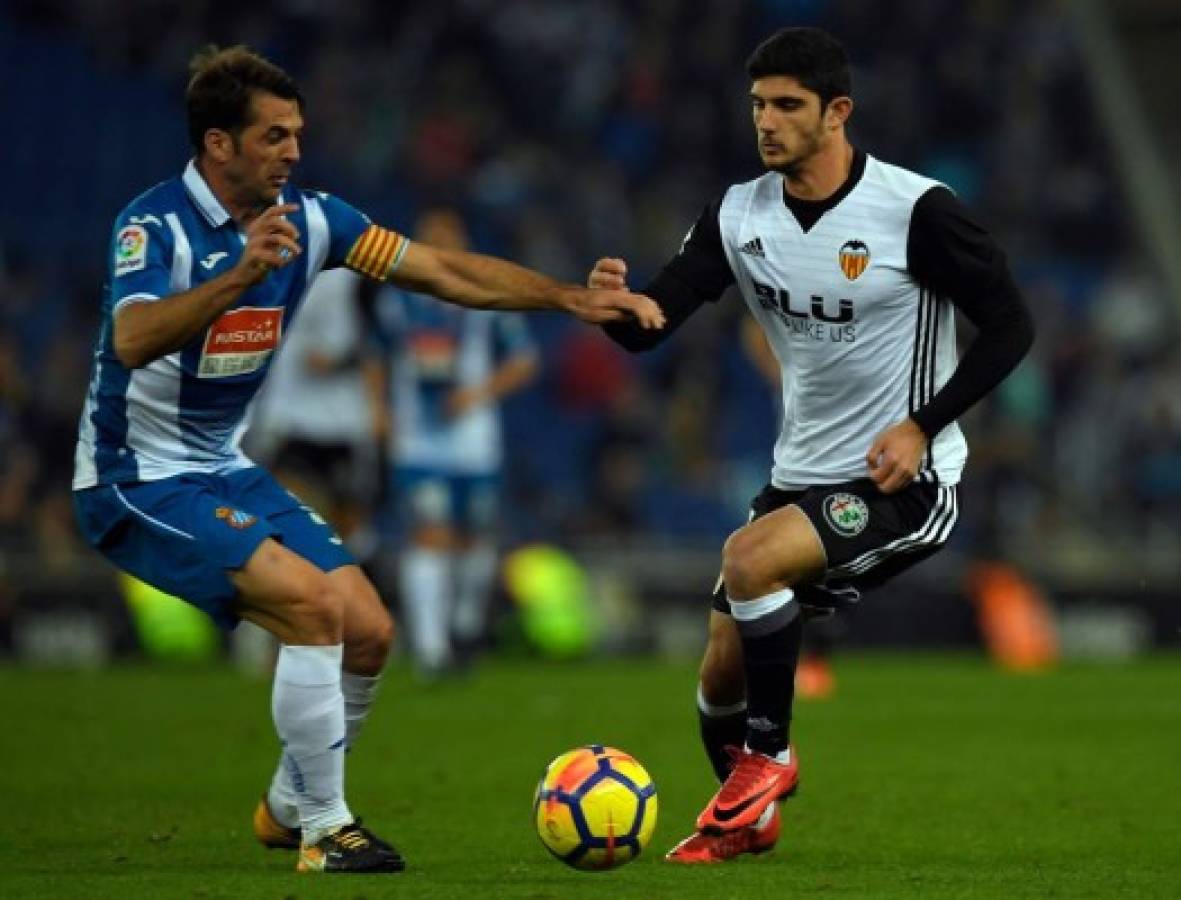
pixel 698 274
pixel 951 254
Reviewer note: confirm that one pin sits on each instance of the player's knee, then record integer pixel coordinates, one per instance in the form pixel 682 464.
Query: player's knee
pixel 744 568
pixel 317 613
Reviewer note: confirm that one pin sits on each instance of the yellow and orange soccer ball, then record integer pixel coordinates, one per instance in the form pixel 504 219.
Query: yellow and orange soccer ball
pixel 595 808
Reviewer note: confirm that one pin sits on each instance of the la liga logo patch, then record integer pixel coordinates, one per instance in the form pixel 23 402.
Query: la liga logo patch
pixel 846 514
pixel 131 249
pixel 235 518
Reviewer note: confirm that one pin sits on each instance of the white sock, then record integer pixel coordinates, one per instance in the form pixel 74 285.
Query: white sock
pixel 783 757
pixel 308 709
pixel 281 797
pixel 423 580
pixel 474 571
pixel 359 691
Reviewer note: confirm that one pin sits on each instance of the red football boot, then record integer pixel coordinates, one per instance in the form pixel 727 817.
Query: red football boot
pixel 756 782
pixel 715 848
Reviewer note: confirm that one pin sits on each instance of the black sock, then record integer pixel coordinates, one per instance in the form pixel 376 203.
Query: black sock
pixel 718 732
pixel 771 650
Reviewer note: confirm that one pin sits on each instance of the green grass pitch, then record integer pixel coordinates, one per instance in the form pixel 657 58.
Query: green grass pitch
pixel 925 776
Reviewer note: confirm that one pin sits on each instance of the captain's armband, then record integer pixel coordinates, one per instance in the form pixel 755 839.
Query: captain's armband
pixel 377 252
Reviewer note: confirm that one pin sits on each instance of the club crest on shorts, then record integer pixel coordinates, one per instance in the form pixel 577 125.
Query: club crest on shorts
pixel 235 518
pixel 854 258
pixel 846 514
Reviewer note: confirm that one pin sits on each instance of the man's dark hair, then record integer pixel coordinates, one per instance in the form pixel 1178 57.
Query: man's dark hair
pixel 221 83
pixel 810 55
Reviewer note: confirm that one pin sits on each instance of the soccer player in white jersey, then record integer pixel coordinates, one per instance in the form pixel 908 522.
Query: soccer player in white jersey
pixel 853 267
pixel 206 271
pixel 448 369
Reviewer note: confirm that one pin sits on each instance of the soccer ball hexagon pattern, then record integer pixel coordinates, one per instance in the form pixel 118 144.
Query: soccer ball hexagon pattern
pixel 595 808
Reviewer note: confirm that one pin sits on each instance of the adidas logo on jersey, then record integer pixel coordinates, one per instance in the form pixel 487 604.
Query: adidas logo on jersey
pixel 754 247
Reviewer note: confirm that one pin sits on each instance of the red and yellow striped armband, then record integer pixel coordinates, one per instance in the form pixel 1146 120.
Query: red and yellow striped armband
pixel 377 252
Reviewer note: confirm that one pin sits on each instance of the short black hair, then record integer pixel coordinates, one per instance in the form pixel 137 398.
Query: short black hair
pixel 221 83
pixel 810 55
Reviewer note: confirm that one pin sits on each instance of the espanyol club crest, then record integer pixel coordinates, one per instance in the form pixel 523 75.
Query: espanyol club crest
pixel 854 259
pixel 235 518
pixel 846 514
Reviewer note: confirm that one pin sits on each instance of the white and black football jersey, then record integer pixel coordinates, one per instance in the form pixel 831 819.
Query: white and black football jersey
pixel 856 294
pixel 860 343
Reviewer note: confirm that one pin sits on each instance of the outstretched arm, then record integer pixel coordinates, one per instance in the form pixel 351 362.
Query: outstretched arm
pixel 486 282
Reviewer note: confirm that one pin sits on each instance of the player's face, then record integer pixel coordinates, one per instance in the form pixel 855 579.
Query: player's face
pixel 267 151
pixel 789 123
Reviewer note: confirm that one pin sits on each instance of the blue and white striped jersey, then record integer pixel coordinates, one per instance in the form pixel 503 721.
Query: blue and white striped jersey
pixel 435 348
pixel 187 411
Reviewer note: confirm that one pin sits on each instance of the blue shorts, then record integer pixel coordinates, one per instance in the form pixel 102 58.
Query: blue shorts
pixel 185 534
pixel 425 496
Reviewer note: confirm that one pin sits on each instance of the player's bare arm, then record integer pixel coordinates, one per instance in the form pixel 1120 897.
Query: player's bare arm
pixel 485 282
pixel 895 455
pixel 144 332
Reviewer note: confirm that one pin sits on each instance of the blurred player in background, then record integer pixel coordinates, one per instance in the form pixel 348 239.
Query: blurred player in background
pixel 854 269
pixel 206 270
pixel 448 368
pixel 313 420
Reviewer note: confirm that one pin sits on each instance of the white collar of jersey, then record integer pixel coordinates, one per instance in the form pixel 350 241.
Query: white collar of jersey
pixel 199 190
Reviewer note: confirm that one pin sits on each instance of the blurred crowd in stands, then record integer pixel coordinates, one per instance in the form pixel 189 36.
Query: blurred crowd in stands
pixel 567 131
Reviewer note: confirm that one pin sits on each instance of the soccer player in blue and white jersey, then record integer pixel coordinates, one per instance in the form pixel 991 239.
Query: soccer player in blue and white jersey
pixel 206 271
pixel 448 369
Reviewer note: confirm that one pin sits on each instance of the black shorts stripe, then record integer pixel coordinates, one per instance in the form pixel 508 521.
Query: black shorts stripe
pixel 933 533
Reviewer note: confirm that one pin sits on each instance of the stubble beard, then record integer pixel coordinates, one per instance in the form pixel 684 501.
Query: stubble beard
pixel 253 195
pixel 792 168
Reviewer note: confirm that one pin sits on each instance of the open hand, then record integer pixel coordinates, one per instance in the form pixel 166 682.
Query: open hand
pixel 609 300
pixel 598 307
